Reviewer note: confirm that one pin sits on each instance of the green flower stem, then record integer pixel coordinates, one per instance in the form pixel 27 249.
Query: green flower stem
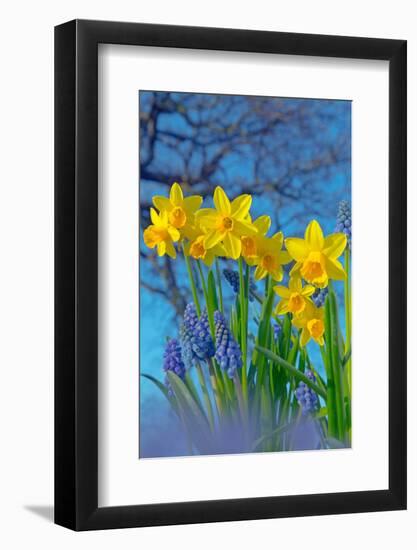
pixel 244 329
pixel 210 313
pixel 206 396
pixel 336 363
pixel 348 317
pixel 192 283
pixel 219 284
pixel 328 363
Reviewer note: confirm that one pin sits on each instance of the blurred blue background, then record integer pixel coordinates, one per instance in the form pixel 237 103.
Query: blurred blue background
pixel 292 155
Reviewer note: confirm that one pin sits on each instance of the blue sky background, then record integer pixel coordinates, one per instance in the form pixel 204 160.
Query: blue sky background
pixel 310 150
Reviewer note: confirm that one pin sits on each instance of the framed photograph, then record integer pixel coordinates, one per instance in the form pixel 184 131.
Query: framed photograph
pixel 230 275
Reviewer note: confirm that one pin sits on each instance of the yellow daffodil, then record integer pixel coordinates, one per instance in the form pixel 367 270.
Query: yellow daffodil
pixel 250 242
pixel 181 211
pixel 226 223
pixel 316 255
pixel 294 298
pixel 196 249
pixel 270 257
pixel 161 234
pixel 311 323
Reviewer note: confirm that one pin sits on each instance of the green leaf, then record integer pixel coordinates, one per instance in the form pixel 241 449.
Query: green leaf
pixel 212 293
pixel 290 368
pixel 192 416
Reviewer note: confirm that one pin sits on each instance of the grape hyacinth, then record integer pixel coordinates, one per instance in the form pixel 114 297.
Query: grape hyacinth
pixel 277 331
pixel 344 221
pixel 228 353
pixel 319 297
pixel 196 340
pixel 232 277
pixel 173 361
pixel 306 397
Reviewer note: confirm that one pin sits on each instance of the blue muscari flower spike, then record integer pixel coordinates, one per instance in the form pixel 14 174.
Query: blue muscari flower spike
pixel 344 221
pixel 306 397
pixel 232 277
pixel 319 296
pixel 173 360
pixel 277 331
pixel 196 340
pixel 228 353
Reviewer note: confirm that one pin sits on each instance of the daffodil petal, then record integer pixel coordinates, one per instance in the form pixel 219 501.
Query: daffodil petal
pixel 207 218
pixel 335 270
pixel 282 307
pixel 260 273
pixel 173 233
pixel 262 224
pixel 278 239
pixel 232 245
pixel 221 202
pixel 175 194
pixel 193 203
pixel 305 337
pixel 284 257
pixel 295 284
pixel 277 274
pixel 282 291
pixel 308 290
pixel 162 203
pixel 161 248
pixel 212 239
pixel 334 245
pixel 155 217
pixel 297 248
pixel 170 250
pixel 314 235
pixel 240 206
pixel 241 227
pixel 295 269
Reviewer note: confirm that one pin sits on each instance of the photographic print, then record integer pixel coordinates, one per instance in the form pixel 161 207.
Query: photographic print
pixel 245 274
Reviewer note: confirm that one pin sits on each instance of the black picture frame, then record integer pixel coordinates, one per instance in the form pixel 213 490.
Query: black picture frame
pixel 76 272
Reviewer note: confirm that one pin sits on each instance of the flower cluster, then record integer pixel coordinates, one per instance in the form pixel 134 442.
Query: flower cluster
pixel 227 230
pixel 306 397
pixel 344 221
pixel 173 360
pixel 197 343
pixel 228 353
pixel 232 277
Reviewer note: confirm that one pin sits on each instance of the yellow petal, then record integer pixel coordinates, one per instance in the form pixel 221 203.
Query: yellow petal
pixel 282 307
pixel 295 284
pixel 173 233
pixel 161 248
pixel 335 270
pixel 277 274
pixel 175 195
pixel 212 239
pixel 305 337
pixel 314 235
pixel 155 217
pixel 162 203
pixel 334 245
pixel 170 250
pixel 241 227
pixel 278 239
pixel 191 204
pixel 221 202
pixel 262 224
pixel 209 257
pixel 240 206
pixel 284 257
pixel 232 245
pixel 260 273
pixel 308 290
pixel 207 218
pixel 295 269
pixel 282 291
pixel 297 248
